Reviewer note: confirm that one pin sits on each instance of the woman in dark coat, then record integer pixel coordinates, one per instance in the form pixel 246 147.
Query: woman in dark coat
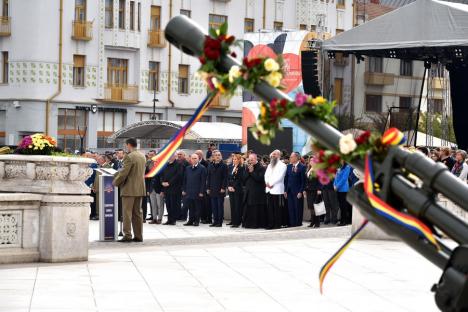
pixel 313 191
pixel 236 173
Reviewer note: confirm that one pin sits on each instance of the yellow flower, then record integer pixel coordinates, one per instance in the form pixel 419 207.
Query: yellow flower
pixel 218 32
pixel 318 100
pixel 263 110
pixel 271 65
pixel 234 73
pixel 274 79
pixel 218 85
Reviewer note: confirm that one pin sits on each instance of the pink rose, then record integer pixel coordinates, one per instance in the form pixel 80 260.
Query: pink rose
pixel 301 98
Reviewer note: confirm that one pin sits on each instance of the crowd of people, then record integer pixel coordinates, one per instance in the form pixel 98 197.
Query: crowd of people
pixel 266 191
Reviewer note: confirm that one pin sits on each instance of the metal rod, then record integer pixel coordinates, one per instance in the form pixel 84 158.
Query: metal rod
pixel 416 127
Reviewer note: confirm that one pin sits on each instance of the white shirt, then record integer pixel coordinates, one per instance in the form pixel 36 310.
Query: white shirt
pixel 274 176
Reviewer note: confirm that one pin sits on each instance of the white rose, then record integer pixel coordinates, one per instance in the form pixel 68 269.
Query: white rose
pixel 347 144
pixel 234 73
pixel 271 65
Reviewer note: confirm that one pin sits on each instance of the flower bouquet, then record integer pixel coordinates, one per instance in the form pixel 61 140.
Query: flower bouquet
pixel 37 144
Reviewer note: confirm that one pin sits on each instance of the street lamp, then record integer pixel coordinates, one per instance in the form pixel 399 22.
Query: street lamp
pixel 153 117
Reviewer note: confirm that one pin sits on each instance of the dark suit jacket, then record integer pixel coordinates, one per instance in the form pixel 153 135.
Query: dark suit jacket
pixel 294 182
pixel 236 180
pixel 217 179
pixel 173 174
pixel 194 181
pixel 255 186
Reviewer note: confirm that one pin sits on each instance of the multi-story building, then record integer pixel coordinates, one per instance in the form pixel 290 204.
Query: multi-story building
pixel 80 67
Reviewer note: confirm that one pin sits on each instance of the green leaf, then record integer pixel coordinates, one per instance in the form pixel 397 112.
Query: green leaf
pixel 223 29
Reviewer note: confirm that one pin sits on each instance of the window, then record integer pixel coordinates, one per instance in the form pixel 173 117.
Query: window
pixel 155 22
pixel 122 14
pixel 2 127
pixel 340 3
pixel 405 102
pixel 5 11
pixel 139 16
pixel 233 120
pixel 153 76
pixel 302 27
pixel 146 116
pixel 187 13
pixel 80 10
pixel 132 15
pixel 437 106
pixel 406 68
pixel 184 79
pixel 313 27
pixel 278 26
pixel 78 70
pixel 375 64
pixel 109 14
pixel 71 124
pixel 249 24
pixel 108 123
pixel 373 103
pixel 4 67
pixel 117 71
pixel 184 117
pixel 217 20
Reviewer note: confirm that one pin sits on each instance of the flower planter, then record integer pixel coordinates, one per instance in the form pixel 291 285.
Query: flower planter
pixel 63 205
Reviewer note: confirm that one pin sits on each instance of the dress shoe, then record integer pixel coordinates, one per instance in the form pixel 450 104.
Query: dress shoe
pixel 158 221
pixel 189 224
pixel 219 225
pixel 196 224
pixel 153 222
pixel 230 223
pixel 125 240
pixel 169 223
pixel 138 240
pixel 150 218
pixel 234 226
pixel 212 225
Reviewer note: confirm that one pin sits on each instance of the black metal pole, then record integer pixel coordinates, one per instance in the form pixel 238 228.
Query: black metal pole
pixel 419 104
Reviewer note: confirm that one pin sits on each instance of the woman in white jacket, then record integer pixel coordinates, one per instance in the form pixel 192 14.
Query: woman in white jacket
pixel 460 168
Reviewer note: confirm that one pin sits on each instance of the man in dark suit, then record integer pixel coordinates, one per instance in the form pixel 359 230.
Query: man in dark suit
pixel 206 212
pixel 181 159
pixel 294 184
pixel 216 187
pixel 193 189
pixel 131 180
pixel 171 182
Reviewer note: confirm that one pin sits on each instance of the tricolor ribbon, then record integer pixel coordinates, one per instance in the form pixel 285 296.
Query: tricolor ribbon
pixel 161 159
pixel 392 137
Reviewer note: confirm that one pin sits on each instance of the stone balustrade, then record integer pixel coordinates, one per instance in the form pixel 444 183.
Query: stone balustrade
pixel 44 208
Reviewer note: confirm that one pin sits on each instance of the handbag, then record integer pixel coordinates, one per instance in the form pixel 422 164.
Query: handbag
pixel 319 206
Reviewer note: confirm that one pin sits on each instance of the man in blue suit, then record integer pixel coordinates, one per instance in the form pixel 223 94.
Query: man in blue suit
pixel 193 189
pixel 294 185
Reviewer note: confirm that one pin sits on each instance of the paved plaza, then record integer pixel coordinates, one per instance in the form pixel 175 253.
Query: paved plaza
pixel 270 275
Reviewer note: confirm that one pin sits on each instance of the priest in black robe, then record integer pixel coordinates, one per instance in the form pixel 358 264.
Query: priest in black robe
pixel 255 197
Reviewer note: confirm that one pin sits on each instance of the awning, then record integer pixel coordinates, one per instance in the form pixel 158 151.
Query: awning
pixel 417 26
pixel 217 132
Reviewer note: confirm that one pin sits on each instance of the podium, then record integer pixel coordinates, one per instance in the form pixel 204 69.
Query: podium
pixel 108 199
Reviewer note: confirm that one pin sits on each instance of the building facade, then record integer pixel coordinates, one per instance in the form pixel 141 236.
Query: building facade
pixel 82 68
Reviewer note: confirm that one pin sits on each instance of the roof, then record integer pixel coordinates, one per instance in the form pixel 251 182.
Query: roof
pixel 420 24
pixel 163 129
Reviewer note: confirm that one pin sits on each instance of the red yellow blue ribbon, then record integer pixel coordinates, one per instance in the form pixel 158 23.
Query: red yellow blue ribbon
pixel 161 159
pixel 392 137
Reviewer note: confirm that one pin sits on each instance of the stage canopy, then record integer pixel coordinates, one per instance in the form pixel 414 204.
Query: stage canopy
pixel 216 132
pixel 423 30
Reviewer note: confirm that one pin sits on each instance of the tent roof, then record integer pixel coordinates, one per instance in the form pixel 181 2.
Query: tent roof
pixel 418 25
pixel 163 129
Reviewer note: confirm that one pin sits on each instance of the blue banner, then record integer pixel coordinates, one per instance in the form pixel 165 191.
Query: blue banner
pixel 109 208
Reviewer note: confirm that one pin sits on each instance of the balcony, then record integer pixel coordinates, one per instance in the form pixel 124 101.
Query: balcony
pixel 220 102
pixel 378 79
pixel 5 26
pixel 82 30
pixel 156 39
pixel 438 83
pixel 120 93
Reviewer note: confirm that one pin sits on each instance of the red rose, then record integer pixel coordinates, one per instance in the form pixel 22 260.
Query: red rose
pixel 202 59
pixel 333 159
pixel 321 155
pixel 233 54
pixel 230 39
pixel 283 103
pixel 363 137
pixel 212 48
pixel 331 170
pixel 222 38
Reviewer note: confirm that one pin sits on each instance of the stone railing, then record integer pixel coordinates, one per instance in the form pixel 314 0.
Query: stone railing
pixel 44 208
